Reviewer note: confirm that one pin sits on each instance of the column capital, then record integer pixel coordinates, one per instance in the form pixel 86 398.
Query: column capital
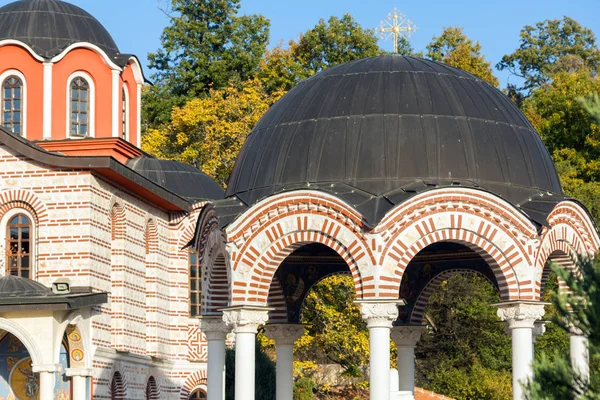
pixel 246 319
pixel 214 327
pixel 406 335
pixel 84 372
pixel 284 334
pixel 539 328
pixel 50 368
pixel 379 313
pixel 521 314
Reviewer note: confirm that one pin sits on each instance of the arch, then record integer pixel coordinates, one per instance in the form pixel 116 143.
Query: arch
pixel 198 393
pixel 91 104
pixel 3 77
pixel 21 198
pixel 151 285
pixel 566 259
pixel 416 316
pixel 216 289
pixel 260 239
pixel 152 392
pixel 24 336
pixel 481 221
pixel 276 300
pixel 193 381
pixel 117 219
pixel 13 42
pixel 89 46
pixel 118 391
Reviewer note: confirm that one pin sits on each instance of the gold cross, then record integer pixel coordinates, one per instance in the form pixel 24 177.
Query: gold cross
pixel 396 25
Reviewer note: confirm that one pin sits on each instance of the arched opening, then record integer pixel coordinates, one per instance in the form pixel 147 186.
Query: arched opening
pixel 152 389
pixel 17 380
pixel 448 288
pixel 216 293
pixel 19 246
pixel 117 387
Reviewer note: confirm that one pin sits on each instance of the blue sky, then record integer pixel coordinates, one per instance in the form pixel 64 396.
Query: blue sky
pixel 136 25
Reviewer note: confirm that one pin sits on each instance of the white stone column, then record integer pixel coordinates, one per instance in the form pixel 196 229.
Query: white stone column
pixel 380 315
pixel 579 352
pixel 284 335
pixel 520 317
pixel 47 373
pixel 79 378
pixel 215 330
pixel 245 321
pixel 406 338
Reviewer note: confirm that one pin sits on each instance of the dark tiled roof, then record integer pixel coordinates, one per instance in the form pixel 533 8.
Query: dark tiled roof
pixel 177 177
pixel 11 286
pixel 376 131
pixel 50 26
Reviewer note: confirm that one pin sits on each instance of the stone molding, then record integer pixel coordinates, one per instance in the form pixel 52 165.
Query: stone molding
pixel 379 313
pixel 83 372
pixel 406 336
pixel 214 328
pixel 50 368
pixel 284 334
pixel 246 319
pixel 521 314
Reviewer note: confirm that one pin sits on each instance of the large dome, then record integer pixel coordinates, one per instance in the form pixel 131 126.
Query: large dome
pixel 50 26
pixel 376 131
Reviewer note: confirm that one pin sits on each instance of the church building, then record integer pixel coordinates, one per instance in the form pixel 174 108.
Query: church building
pixel 122 274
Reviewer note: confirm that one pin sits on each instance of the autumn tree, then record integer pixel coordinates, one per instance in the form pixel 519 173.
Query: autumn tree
pixel 454 48
pixel 549 47
pixel 209 131
pixel 570 132
pixel 206 45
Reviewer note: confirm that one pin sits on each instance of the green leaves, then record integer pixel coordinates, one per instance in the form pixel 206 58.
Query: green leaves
pixel 549 47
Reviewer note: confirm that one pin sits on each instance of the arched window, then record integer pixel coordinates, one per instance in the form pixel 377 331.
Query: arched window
pixel 195 283
pixel 12 104
pixel 18 246
pixel 124 114
pixel 198 394
pixel 80 107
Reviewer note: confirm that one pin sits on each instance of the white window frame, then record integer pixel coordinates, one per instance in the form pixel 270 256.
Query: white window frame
pixel 92 105
pixel 10 214
pixel 5 75
pixel 125 90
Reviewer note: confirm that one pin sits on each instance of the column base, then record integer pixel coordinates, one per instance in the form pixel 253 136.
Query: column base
pixel 402 395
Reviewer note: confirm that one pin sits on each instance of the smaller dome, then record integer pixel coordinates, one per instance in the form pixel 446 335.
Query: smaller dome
pixel 15 286
pixel 177 177
pixel 50 26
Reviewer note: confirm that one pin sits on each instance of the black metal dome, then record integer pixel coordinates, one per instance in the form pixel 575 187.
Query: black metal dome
pixel 180 178
pixel 14 286
pixel 50 26
pixel 376 131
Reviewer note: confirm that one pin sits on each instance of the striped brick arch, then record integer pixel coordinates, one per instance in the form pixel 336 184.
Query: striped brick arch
pixel 118 390
pixel 192 382
pixel 486 224
pixel 152 392
pixel 151 283
pixel 27 200
pixel 276 300
pixel 418 310
pixel 215 273
pixel 260 239
pixel 117 221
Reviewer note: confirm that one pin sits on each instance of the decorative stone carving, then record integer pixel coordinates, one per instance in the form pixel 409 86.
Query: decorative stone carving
pixel 284 334
pixel 521 314
pixel 214 328
pixel 246 319
pixel 406 336
pixel 379 313
pixel 539 328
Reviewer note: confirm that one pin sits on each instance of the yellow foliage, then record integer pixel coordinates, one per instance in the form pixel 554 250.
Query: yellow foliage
pixel 210 131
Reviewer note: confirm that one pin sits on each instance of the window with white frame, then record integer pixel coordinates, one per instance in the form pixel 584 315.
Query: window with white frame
pixel 12 104
pixel 79 107
pixel 18 245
